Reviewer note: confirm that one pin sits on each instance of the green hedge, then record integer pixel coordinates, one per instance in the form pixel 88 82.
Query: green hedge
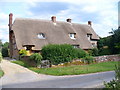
pixel 61 53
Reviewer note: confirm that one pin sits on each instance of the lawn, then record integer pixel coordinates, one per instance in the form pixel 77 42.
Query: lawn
pixel 73 70
pixel 1 73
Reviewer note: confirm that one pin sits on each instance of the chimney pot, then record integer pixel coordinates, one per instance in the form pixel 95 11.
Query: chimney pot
pixel 90 23
pixel 69 20
pixel 53 18
pixel 10 19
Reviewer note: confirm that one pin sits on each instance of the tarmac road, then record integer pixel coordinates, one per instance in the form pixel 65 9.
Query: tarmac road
pixel 19 77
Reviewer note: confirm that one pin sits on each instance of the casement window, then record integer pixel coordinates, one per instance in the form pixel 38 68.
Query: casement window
pixel 72 35
pixel 75 46
pixel 41 36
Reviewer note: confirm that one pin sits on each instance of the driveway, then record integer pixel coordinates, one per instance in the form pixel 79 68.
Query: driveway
pixel 19 77
pixel 17 74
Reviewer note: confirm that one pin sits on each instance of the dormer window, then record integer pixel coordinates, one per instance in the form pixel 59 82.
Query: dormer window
pixel 72 35
pixel 89 36
pixel 41 36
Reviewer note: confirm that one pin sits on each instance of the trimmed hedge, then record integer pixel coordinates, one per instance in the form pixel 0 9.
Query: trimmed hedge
pixel 61 53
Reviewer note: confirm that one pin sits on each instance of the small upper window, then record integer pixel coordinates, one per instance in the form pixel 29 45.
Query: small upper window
pixel 41 36
pixel 89 36
pixel 72 35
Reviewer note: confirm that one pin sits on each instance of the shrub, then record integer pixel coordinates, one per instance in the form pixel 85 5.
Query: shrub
pixel 4 49
pixel 79 53
pixel 93 52
pixel 104 51
pixel 0 57
pixel 36 57
pixel 88 59
pixel 115 83
pixel 23 52
pixel 58 53
pixel 4 52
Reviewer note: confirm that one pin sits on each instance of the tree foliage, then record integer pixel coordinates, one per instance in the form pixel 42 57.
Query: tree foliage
pixel 5 49
pixel 110 44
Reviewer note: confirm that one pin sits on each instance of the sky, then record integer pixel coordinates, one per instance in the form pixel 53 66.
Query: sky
pixel 102 13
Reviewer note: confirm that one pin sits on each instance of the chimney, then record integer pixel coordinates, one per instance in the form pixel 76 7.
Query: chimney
pixel 89 23
pixel 10 19
pixel 53 18
pixel 68 20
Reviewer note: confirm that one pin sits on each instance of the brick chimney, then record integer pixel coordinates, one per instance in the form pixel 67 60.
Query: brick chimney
pixel 10 20
pixel 89 23
pixel 53 18
pixel 69 20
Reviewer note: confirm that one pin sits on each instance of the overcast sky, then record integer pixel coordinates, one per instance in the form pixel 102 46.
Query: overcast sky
pixel 102 13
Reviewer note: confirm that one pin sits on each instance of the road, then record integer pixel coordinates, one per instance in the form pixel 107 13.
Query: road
pixel 94 80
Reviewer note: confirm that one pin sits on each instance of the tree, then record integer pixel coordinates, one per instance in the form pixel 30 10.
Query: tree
pixel 5 49
pixel 110 44
pixel 115 41
pixel 1 45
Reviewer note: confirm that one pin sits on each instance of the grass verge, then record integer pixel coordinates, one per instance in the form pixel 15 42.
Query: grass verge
pixel 73 70
pixel 1 73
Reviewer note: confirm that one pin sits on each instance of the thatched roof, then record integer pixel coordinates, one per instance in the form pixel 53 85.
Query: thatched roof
pixel 26 31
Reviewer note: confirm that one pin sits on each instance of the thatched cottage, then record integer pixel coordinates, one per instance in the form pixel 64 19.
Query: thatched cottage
pixel 33 34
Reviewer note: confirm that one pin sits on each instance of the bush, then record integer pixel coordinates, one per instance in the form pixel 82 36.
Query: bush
pixel 5 49
pixel 0 57
pixel 37 58
pixel 88 59
pixel 104 51
pixel 58 53
pixel 23 52
pixel 93 52
pixel 5 52
pixel 79 53
pixel 115 83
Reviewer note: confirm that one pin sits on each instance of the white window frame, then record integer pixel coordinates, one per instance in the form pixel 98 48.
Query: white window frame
pixel 72 35
pixel 41 36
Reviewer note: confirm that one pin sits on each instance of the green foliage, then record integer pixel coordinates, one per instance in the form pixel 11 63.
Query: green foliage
pixel 115 83
pixel 5 49
pixel 79 53
pixel 93 52
pixel 1 44
pixel 58 53
pixel 23 52
pixel 88 59
pixel 112 42
pixel 61 53
pixel 20 62
pixel 0 57
pixel 37 58
pixel 1 73
pixel 104 51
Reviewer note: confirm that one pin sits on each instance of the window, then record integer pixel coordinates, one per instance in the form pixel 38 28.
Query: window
pixel 93 45
pixel 75 46
pixel 41 36
pixel 72 35
pixel 89 36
